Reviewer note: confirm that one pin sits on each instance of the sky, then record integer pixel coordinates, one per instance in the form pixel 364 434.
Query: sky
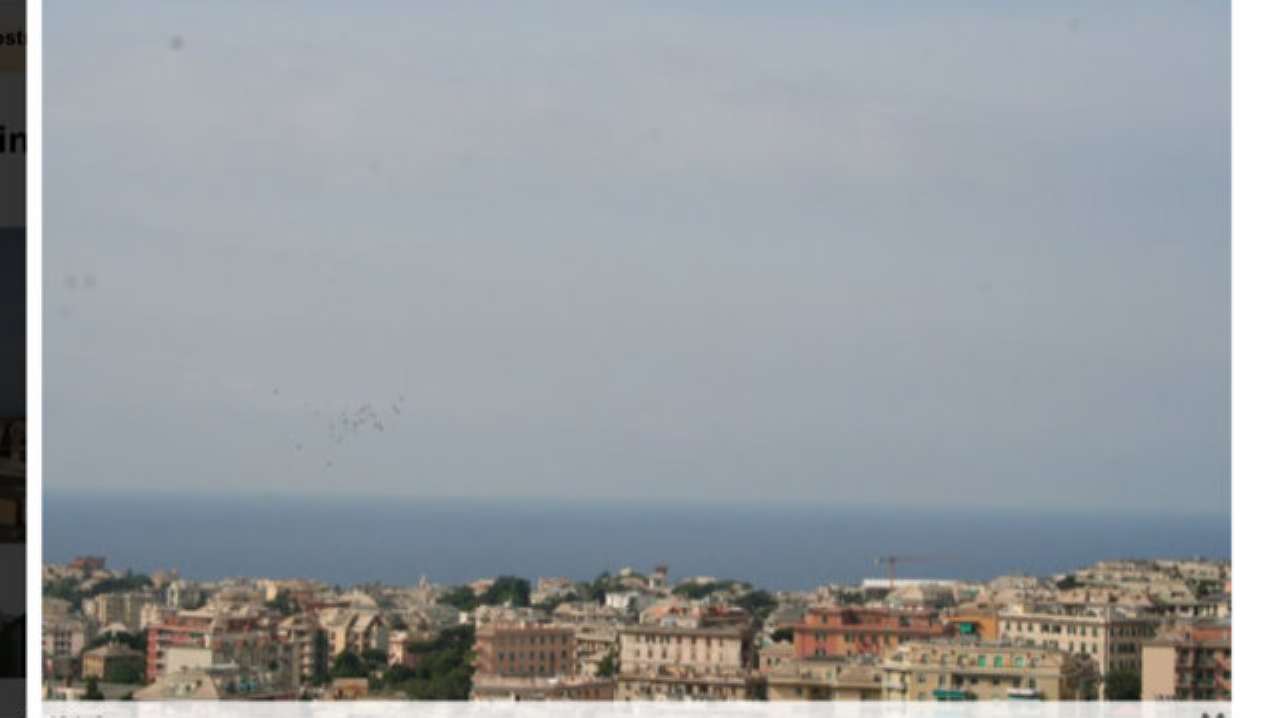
pixel 861 254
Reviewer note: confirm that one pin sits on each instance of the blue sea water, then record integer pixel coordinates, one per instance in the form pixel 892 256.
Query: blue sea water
pixel 352 541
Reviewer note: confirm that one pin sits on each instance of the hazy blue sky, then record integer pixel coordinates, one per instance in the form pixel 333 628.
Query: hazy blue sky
pixel 851 252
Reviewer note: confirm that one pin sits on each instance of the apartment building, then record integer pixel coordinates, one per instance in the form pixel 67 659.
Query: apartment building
pixel 855 630
pixel 1111 636
pixel 673 662
pixel 205 640
pixel 533 688
pixel 182 595
pixel 106 660
pixel 843 678
pixel 218 682
pixel 354 630
pixel 525 650
pixel 629 601
pixel 1190 661
pixel 124 608
pixel 63 637
pixel 301 637
pixel 962 669
pixel 587 612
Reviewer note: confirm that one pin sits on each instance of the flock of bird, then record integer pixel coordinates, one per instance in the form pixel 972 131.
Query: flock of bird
pixel 350 423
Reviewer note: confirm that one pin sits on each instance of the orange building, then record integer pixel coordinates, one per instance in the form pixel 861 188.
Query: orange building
pixel 852 630
pixel 983 624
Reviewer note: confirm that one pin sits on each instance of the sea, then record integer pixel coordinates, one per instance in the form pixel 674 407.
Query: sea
pixel 349 541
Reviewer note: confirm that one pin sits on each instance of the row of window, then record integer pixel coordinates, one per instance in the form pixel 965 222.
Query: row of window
pixel 1072 629
pixel 859 638
pixel 959 681
pixel 679 640
pixel 531 655
pixel 522 640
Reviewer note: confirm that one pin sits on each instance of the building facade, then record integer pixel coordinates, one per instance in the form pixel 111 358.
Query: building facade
pixel 525 650
pixel 852 630
pixel 107 661
pixel 1188 662
pixel 1111 636
pixel 672 662
pixel 532 688
pixel 987 671
pixel 845 678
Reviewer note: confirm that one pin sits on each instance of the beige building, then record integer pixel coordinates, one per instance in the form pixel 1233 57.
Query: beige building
pixel 962 669
pixel 348 689
pixel 670 662
pixel 63 637
pixel 220 682
pixel 354 630
pixel 532 688
pixel 124 608
pixel 594 641
pixel 775 654
pixel 587 612
pixel 302 642
pixel 525 650
pixel 825 679
pixel 104 661
pixel 1112 637
pixel 1191 661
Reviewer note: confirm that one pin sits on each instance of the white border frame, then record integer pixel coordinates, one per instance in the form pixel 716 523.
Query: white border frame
pixel 35 347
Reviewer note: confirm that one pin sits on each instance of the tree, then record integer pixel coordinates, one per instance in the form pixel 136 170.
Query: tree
pixel 321 676
pixel 444 667
pixel 136 641
pixel 399 673
pixel 461 598
pixel 550 604
pixel 348 665
pixel 759 603
pixel 374 657
pixel 1068 582
pixel 695 591
pixel 124 672
pixel 1122 685
pixel 91 690
pixel 511 590
pixel 783 635
pixel 608 665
